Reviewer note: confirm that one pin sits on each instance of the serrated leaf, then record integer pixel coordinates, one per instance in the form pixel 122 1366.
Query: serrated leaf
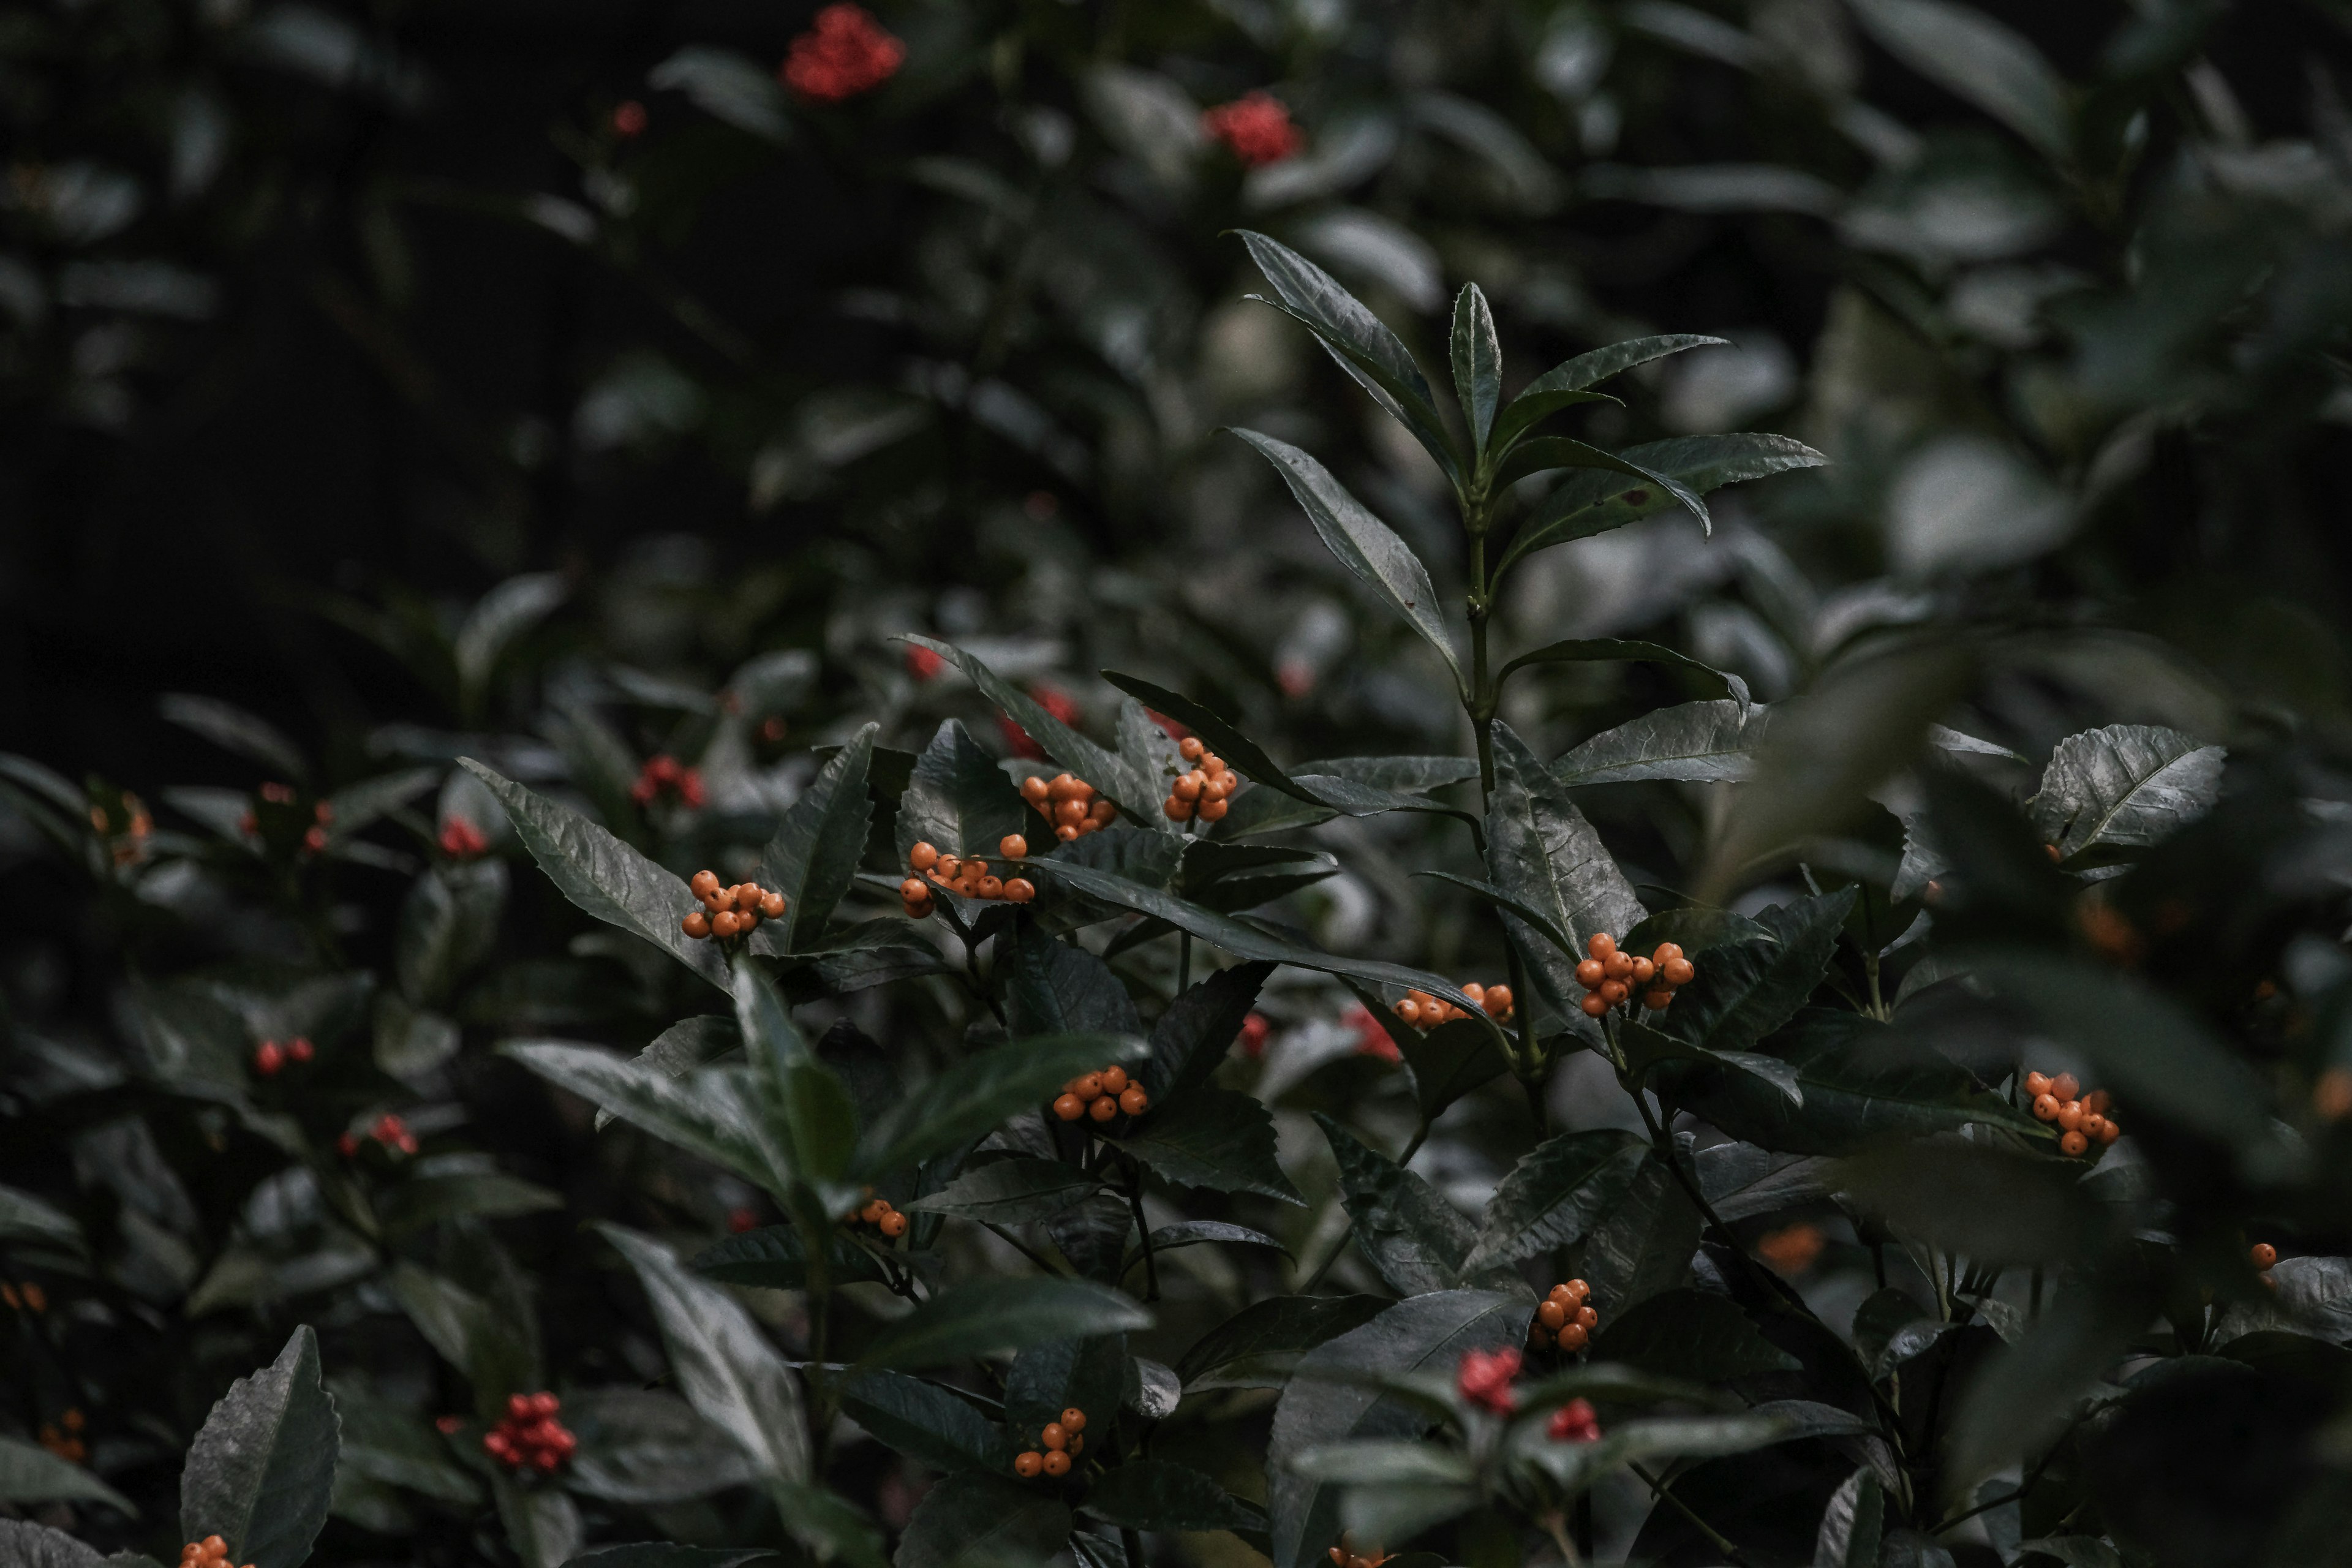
pixel 1608 650
pixel 1413 1237
pixel 726 1368
pixel 235 730
pixel 1258 1346
pixel 1567 383
pixel 27 1545
pixel 1695 742
pixel 1541 851
pixel 1427 1333
pixel 1696 1335
pixel 925 1422
pixel 1363 543
pixel 812 858
pixel 1059 989
pixel 1109 772
pixel 646 1446
pixel 1448 1062
pixel 261 1473
pixel 774 1257
pixel 1743 991
pixel 1646 1047
pixel 30 1473
pixel 1208 1137
pixel 1592 501
pixel 1193 1035
pixel 603 876
pixel 967 1101
pixel 1555 1193
pixel 1644 1245
pixel 2124 784
pixel 1477 357
pixel 542 1523
pixel 1159 1495
pixel 1009 1192
pixel 986 1317
pixel 708 1113
pixel 982 1519
pixel 958 799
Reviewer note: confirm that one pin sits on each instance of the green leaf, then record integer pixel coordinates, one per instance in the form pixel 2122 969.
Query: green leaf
pixel 1207 1137
pixel 959 800
pixel 2125 784
pixel 925 1422
pixel 967 1101
pixel 1158 1495
pixel 1646 1047
pixel 728 86
pixel 457 1188
pixel 1236 748
pixel 1136 796
pixel 1387 1462
pixel 449 924
pixel 1591 502
pixel 707 1112
pixel 1415 1239
pixel 1852 1523
pixel 1009 1192
pixel 1556 1192
pixel 1447 1062
pixel 723 1365
pixel 235 730
pixel 1567 385
pixel 1548 453
pixel 1744 992
pixel 27 1545
pixel 1693 1334
pixel 1693 928
pixel 1363 543
pixel 812 858
pixel 774 1257
pixel 1427 1333
pixel 1095 1374
pixel 30 1473
pixel 1477 363
pixel 498 617
pixel 685 1046
pixel 1356 787
pixel 1258 1346
pixel 1644 1243
pixel 648 1447
pixel 833 1529
pixel 23 1218
pixel 542 1523
pixel 603 875
pixel 470 1332
pixel 1541 851
pixel 1960 48
pixel 1696 743
pixel 1059 989
pixel 982 1519
pixel 808 1126
pixel 986 1317
pixel 261 1473
pixel 1605 650
pixel 1195 1033
pixel 1193 1233
pixel 1357 341
pixel 664 1555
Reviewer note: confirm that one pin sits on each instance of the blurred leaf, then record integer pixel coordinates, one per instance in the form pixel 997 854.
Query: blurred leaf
pixel 1852 1523
pixel 542 1523
pixel 1363 543
pixel 1192 1038
pixel 1996 1205
pixel 233 730
pixel 1219 1139
pixel 471 1333
pixel 1592 650
pixel 1154 1494
pixel 664 1555
pixel 2019 1402
pixel 723 1365
pixel 23 1218
pixel 1699 743
pixel 1009 1192
pixel 709 1111
pixel 1414 1238
pixel 727 86
pixel 981 1519
pixel 1555 1193
pixel 476 1188
pixel 498 617
pixel 1477 363
pixel 1980 59
pixel 603 876
pixel 957 800
pixel 1693 1334
pixel 1258 1346
pixel 449 924
pixel 2073 1551
pixel 644 1446
pixel 814 857
pixel 925 1422
pixel 261 1473
pixel 2127 783
pixel 774 1257
pixel 990 1316
pixel 685 1046
pixel 800 1097
pixel 30 1473
pixel 968 1100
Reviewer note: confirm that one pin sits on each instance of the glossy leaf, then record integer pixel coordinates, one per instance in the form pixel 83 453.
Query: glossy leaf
pixel 1852 1523
pixel 644 1446
pixel 1696 743
pixel 1258 1346
pixel 1555 1193
pixel 1550 453
pixel 1185 1233
pixel 2128 785
pixel 1693 1334
pixel 1057 988
pixel 261 1472
pixel 1416 1240
pixel 1158 1495
pixel 1137 796
pixel 1448 1062
pixel 991 1316
pixel 813 855
pixel 1541 851
pixel 1219 1139
pixel 1743 991
pixel 1569 383
pixel 1221 737
pixel 980 1518
pixel 1009 1192
pixel 707 1112
pixel 1477 357
pixel 471 1332
pixel 774 1257
pixel 1644 1243
pixel 1646 1047
pixel 925 1422
pixel 30 1473
pixel 1608 650
pixel 1594 502
pixel 959 800
pixel 1195 1035
pixel 967 1100
pixel 807 1125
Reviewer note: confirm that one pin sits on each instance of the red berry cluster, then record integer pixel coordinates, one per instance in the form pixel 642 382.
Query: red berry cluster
pixel 1423 1011
pixel 1101 1096
pixel 212 1551
pixel 1058 1443
pixel 1071 804
pixel 1203 791
pixel 1256 126
pixel 1575 1422
pixel 1485 1379
pixel 729 912
pixel 314 835
pixel 665 772
pixel 131 844
pixel 1371 1038
pixel 967 878
pixel 1610 977
pixel 2082 1119
pixel 460 839
pixel 387 1130
pixel 1255 1030
pixel 845 54
pixel 270 1057
pixel 530 1437
pixel 63 1438
pixel 1345 1555
pixel 878 1214
pixel 1564 1318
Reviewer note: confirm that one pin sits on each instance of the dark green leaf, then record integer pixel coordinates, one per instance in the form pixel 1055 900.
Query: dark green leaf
pixel 1192 1037
pixel 1207 1137
pixel 30 1473
pixel 1059 989
pixel 1851 1524
pixel 1644 1243
pixel 1193 1233
pixel 1046 1379
pixel 982 1519
pixel 832 1528
pixel 1363 543
pixel 1697 742
pixel 1999 1206
pixel 2126 785
pixel 234 729
pixel 27 1545
pixel 1556 1192
pixel 728 86
pixel 1565 384
pixel 542 1523
pixel 774 1257
pixel 707 1112
pixel 1744 992
pixel 603 876
pixel 1154 1494
pixel 1416 1238
pixel 807 1125
pixel 505 612
pixel 1369 785
pixel 723 1365
pixel 454 1187
pixel 261 1472
pixel 1693 1334
pixel 1009 1192
pixel 685 1046
pixel 1136 796
pixel 813 855
pixel 1237 750
pixel 644 1446
pixel 1548 453
pixel 1646 1047
pixel 1594 502
pixel 1258 1346
pixel 958 801
pixel 1477 363
pixel 472 1334
pixel 1447 1062
pixel 1596 650
pixel 925 1422
pixel 1978 59
pixel 1543 852
pixel 447 925
pixel 1693 928
pixel 967 1101
pixel 989 1316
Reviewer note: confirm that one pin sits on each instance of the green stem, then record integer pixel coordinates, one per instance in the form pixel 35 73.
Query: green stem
pixel 1183 961
pixel 1133 1544
pixel 1659 1490
pixel 1023 1247
pixel 1143 1230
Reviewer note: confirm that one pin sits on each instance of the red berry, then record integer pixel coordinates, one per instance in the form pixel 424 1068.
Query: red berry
pixel 267 1058
pixel 301 1048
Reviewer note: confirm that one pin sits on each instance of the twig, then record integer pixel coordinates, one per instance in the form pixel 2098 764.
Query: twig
pixel 1021 1247
pixel 1663 1494
pixel 1143 1229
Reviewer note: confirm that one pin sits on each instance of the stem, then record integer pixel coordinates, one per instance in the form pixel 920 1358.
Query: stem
pixel 1023 1247
pixel 1772 1282
pixel 1143 1229
pixel 1413 1146
pixel 1659 1490
pixel 1183 961
pixel 1132 1543
pixel 1869 967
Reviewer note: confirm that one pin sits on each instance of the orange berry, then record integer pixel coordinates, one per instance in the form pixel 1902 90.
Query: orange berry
pixel 971 870
pixel 1560 1293
pixel 2046 1106
pixel 1187 788
pixel 1213 810
pixel 2066 1087
pixel 1476 992
pixel 1612 992
pixel 1619 965
pixel 2070 1115
pixel 872 1212
pixel 1102 813
pixel 2095 1103
pixel 1113 1080
pixel 917 908
pixel 1588 1317
pixel 1069 813
pixel 922 856
pixel 1602 945
pixel 914 887
pixel 1057 1464
pixel 1020 890
pixel 696 925
pixel 1053 1436
pixel 704 884
pixel 1069 1108
pixel 1026 1465
pixel 2262 1254
pixel 771 905
pixel 1657 1001
pixel 1103 1109
pixel 1642 970
pixel 1034 789
pixel 1177 809
pixel 1065 832
pixel 1062 787
pixel 1211 763
pixel 2092 1126
pixel 216 1547
pixel 1409 1010
pixel 1190 748
pixel 1013 847
pixel 1134 1101
pixel 1078 1444
pixel 1581 1290
pixel 1666 952
pixel 2037 1084
pixel 894 1225
pixel 726 923
pixel 1498 1001
pixel 1552 1315
pixel 1087 1086
pixel 1216 789
pixel 1591 972
pixel 947 869
pixel 1074 1419
pixel 990 887
pixel 1575 1337
pixel 1678 971
pixel 2331 1097
pixel 2074 1143
pixel 2108 1131
pixel 1592 1005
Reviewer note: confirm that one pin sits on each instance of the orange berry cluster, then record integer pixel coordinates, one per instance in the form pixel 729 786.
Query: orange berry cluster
pixel 1565 1318
pixel 2082 1118
pixel 1101 1095
pixel 969 878
pixel 530 1435
pixel 212 1551
pixel 1423 1011
pixel 67 1445
pixel 1609 976
pixel 1345 1555
pixel 1202 791
pixel 1071 804
pixel 24 1295
pixel 878 1214
pixel 1057 1445
pixel 730 912
pixel 270 1057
